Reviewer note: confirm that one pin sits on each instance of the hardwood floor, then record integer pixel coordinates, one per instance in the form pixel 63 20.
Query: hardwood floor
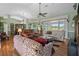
pixel 62 49
pixel 7 49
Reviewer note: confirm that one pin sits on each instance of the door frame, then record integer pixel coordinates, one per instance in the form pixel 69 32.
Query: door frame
pixel 77 34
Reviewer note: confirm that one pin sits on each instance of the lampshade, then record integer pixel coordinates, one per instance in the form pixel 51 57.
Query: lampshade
pixel 19 30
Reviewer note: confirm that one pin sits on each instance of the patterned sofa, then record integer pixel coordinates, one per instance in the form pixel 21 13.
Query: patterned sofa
pixel 60 34
pixel 56 34
pixel 28 47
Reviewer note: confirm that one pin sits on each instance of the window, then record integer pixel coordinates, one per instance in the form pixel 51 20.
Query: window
pixel 55 25
pixel 32 25
pixel 61 25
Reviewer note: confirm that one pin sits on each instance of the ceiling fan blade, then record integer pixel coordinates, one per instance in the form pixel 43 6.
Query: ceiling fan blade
pixel 40 13
pixel 44 13
pixel 44 16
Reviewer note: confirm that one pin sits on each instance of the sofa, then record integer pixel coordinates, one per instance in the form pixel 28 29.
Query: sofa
pixel 28 47
pixel 55 35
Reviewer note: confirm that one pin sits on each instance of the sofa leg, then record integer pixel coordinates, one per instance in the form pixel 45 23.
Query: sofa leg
pixel 53 51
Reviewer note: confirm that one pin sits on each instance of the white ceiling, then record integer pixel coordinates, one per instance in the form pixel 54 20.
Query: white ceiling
pixel 31 10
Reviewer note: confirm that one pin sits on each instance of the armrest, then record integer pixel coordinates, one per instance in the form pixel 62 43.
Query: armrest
pixel 57 41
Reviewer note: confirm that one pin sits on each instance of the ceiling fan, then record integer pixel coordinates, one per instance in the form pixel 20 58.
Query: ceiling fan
pixel 76 6
pixel 41 13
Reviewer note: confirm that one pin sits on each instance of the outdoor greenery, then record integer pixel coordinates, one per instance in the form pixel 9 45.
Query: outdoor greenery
pixel 1 24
